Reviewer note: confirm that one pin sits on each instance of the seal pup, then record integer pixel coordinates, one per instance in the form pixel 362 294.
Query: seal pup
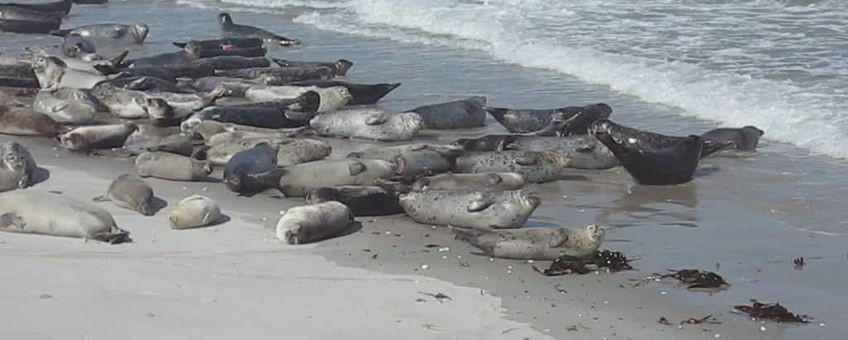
pixel 361 200
pixel 68 105
pixel 481 209
pixel 535 243
pixel 232 30
pixel 313 223
pixel 651 158
pixel 371 124
pixel 531 120
pixel 22 121
pixel 135 33
pixel 193 212
pixel 87 138
pixel 491 181
pixel 171 166
pixel 31 212
pixel 299 180
pixel 363 94
pixel 743 139
pixel 17 167
pixel 246 172
pixel 130 192
pixel 340 67
pixel 460 114
pixel 535 167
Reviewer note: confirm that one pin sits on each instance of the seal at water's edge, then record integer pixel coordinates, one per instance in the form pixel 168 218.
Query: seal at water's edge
pixel 460 114
pixel 361 200
pixel 532 120
pixel 534 243
pixel 651 158
pixel 232 30
pixel 491 180
pixel 193 212
pixel 743 139
pixel 130 192
pixel 31 212
pixel 482 209
pixel 313 223
pixel 171 166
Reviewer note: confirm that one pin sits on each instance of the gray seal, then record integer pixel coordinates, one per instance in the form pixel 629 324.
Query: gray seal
pixel 17 167
pixel 583 151
pixel 361 200
pixel 414 160
pixel 743 139
pixel 460 114
pixel 232 30
pixel 171 166
pixel 53 73
pixel 531 120
pixel 244 172
pixel 136 33
pixel 492 181
pixel 481 209
pixel 651 158
pixel 299 180
pixel 131 192
pixel 373 124
pixel 535 243
pixel 313 223
pixel 88 138
pixel 68 105
pixel 535 167
pixel 193 212
pixel 340 67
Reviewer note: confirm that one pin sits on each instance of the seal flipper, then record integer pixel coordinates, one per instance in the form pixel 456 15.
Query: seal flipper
pixel 713 146
pixel 114 236
pixel 11 219
pixel 558 240
pixel 342 66
pixel 494 179
pixel 478 204
pixel 102 198
pixel 375 119
pixel 472 236
pixel 258 182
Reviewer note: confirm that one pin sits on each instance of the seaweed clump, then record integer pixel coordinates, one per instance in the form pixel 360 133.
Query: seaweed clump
pixel 614 261
pixel 772 312
pixel 697 278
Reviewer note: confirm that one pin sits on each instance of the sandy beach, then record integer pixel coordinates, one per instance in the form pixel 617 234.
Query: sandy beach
pixel 745 217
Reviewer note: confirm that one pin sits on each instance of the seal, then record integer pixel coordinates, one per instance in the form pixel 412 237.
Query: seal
pixel 535 167
pixel 583 151
pixel 235 87
pixel 87 138
pixel 189 54
pixel 460 114
pixel 492 181
pixel 68 105
pixel 313 223
pixel 26 211
pixel 53 73
pixel 266 114
pixel 332 98
pixel 135 33
pixel 363 94
pixel 532 120
pixel 298 151
pixel 361 200
pixel 171 166
pixel 232 30
pixel 17 167
pixel 299 180
pixel 194 212
pixel 743 139
pixel 130 104
pixel 535 243
pixel 15 19
pixel 14 73
pixel 243 47
pixel 339 67
pixel 481 209
pixel 373 124
pixel 651 158
pixel 178 105
pixel 414 160
pixel 130 192
pixel 63 6
pixel 243 173
pixel 75 45
pixel 153 138
pixel 22 121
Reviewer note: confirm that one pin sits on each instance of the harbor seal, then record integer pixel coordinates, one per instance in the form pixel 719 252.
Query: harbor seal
pixel 361 200
pixel 299 180
pixel 88 138
pixel 244 172
pixel 651 158
pixel 743 139
pixel 23 121
pixel 243 47
pixel 232 30
pixel 17 167
pixel 535 243
pixel 492 181
pixel 68 105
pixel 460 114
pixel 481 209
pixel 63 6
pixel 535 167
pixel 313 223
pixel 135 33
pixel 171 166
pixel 532 120
pixel 14 73
pixel 583 151
pixel 130 192
pixel 332 98
pixel 340 67
pixel 31 212
pixel 53 73
pixel 193 212
pixel 374 124
pixel 266 114
pixel 363 94
pixel 414 160
pixel 75 46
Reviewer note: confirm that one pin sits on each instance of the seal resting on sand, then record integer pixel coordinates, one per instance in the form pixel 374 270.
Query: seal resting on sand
pixel 130 192
pixel 482 209
pixel 193 212
pixel 313 223
pixel 535 243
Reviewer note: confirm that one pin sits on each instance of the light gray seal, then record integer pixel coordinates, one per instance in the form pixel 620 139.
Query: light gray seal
pixel 194 212
pixel 299 180
pixel 583 151
pixel 535 167
pixel 31 212
pixel 17 167
pixel 68 105
pixel 373 124
pixel 232 30
pixel 130 192
pixel 578 118
pixel 361 200
pixel 742 139
pixel 171 166
pixel 136 33
pixel 460 114
pixel 53 73
pixel 24 121
pixel 492 181
pixel 313 223
pixel 332 98
pixel 87 138
pixel 414 160
pixel 340 67
pixel 482 209
pixel 535 243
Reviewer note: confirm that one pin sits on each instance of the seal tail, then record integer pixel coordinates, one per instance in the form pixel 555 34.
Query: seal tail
pixel 342 66
pixel 713 146
pixel 114 236
pixel 60 33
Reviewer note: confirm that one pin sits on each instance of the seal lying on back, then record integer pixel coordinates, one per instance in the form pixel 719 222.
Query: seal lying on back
pixel 232 30
pixel 535 167
pixel 460 114
pixel 535 243
pixel 194 212
pixel 171 166
pixel 26 211
pixel 361 200
pixel 651 158
pixel 17 167
pixel 482 209
pixel 313 223
pixel 743 139
pixel 87 138
pixel 116 32
pixel 63 6
pixel 298 180
pixel 240 173
pixel 491 181
pixel 340 67
pixel 130 192
pixel 525 121
pixel 371 124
